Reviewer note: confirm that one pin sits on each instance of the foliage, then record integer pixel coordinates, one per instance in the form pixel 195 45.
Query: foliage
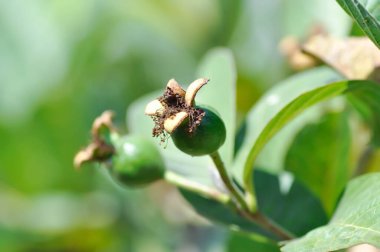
pixel 323 166
pixel 290 174
pixel 354 221
pixel 366 14
pixel 332 158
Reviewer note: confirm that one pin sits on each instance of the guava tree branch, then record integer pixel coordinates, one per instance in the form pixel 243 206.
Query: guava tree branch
pixel 243 208
pixel 198 188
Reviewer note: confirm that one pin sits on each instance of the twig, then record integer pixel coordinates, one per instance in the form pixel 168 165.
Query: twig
pixel 226 179
pixel 268 225
pixel 244 210
pixel 190 185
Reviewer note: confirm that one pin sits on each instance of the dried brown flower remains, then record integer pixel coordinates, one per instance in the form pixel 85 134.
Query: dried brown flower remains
pixel 174 107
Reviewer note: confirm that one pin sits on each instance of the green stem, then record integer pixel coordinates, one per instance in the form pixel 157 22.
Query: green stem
pixel 250 196
pixel 225 199
pixel 245 210
pixel 268 225
pixel 226 179
pixel 192 186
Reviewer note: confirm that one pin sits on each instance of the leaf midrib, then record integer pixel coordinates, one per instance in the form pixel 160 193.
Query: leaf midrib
pixel 357 227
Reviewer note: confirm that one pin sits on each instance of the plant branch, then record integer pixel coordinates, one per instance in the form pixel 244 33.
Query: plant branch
pixel 189 185
pixel 244 210
pixel 226 179
pixel 241 207
pixel 268 225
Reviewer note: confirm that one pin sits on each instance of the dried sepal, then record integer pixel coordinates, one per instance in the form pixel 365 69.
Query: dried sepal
pixel 101 122
pixel 99 149
pixel 173 107
pixel 85 155
pixel 193 89
pixel 175 87
pixel 172 123
pixel 95 151
pixel 154 107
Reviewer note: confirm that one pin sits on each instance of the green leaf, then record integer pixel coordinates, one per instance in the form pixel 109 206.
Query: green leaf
pixel 270 105
pixel 298 105
pixel 219 93
pixel 288 203
pixel 10 239
pixel 273 155
pixel 241 242
pixel 367 102
pixel 359 11
pixel 355 221
pixel 294 208
pixel 320 155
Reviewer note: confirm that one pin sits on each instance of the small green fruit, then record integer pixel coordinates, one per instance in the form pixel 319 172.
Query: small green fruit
pixel 136 161
pixel 208 136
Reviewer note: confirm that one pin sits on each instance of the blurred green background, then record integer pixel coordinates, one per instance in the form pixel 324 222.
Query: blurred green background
pixel 64 62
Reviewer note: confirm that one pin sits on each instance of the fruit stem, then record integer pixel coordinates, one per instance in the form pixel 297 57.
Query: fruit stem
pixel 256 217
pixel 227 181
pixel 268 225
pixel 189 185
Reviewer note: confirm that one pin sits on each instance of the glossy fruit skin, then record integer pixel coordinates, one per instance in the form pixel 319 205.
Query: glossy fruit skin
pixel 206 139
pixel 136 162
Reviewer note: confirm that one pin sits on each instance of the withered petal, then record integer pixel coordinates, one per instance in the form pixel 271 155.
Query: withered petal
pixel 192 90
pixel 174 121
pixel 175 87
pixel 154 107
pixel 85 155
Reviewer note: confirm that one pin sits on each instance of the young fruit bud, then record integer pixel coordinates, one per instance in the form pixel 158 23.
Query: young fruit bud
pixel 195 130
pixel 132 160
pixel 136 161
pixel 205 139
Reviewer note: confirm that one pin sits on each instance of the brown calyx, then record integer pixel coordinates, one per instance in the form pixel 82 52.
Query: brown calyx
pixel 173 104
pixel 99 149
